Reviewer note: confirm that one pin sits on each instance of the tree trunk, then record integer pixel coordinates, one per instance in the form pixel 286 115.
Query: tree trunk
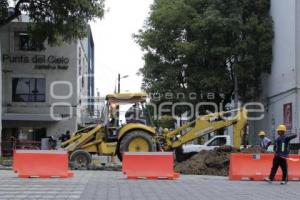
pixel 236 91
pixel 236 85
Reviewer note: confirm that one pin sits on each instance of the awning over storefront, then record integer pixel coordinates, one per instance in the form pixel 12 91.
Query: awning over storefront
pixel 30 117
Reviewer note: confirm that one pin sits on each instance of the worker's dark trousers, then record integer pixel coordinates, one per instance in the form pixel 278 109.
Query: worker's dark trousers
pixel 278 161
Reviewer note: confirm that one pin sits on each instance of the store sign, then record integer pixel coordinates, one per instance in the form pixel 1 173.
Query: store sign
pixel 288 115
pixel 39 61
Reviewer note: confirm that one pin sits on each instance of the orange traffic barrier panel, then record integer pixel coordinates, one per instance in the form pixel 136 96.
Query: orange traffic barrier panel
pixel 258 166
pixel 40 163
pixel 294 167
pixel 149 165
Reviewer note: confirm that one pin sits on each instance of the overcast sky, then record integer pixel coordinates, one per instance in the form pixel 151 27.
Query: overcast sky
pixel 115 50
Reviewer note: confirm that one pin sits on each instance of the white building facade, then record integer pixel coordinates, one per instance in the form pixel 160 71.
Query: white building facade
pixel 45 92
pixel 281 89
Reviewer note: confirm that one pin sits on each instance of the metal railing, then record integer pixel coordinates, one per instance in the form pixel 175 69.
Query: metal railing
pixel 7 147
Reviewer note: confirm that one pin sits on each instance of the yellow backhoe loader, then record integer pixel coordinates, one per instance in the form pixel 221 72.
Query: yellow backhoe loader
pixel 138 134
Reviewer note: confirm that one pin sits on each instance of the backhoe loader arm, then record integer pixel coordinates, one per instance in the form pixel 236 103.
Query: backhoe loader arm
pixel 207 124
pixel 81 139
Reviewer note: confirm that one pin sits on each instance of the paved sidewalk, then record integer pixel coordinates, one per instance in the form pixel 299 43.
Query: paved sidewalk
pixel 113 186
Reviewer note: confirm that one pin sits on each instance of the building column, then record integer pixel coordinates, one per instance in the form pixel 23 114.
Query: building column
pixel 297 74
pixel 0 100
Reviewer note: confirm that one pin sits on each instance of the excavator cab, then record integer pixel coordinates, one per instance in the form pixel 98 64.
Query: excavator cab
pixel 135 104
pixel 135 112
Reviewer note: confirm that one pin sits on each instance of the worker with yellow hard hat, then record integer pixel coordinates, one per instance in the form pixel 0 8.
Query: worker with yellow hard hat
pixel 264 142
pixel 281 149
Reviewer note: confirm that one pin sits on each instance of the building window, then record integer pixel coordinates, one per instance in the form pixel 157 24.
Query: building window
pixel 28 89
pixel 79 60
pixel 23 42
pixel 82 82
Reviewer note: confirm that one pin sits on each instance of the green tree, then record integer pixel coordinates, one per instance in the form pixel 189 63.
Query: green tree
pixel 220 46
pixel 54 21
pixel 166 121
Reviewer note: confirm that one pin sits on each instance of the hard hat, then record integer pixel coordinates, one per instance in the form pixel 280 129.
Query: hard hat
pixel 261 133
pixel 281 128
pixel 165 130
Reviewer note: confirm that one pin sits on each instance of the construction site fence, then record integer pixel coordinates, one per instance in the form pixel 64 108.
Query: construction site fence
pixel 7 147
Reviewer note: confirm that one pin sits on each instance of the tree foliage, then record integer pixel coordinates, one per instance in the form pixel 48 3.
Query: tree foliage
pixel 206 45
pixel 54 21
pixel 166 121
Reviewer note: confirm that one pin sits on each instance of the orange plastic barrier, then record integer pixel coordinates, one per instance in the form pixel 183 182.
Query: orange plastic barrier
pixel 258 166
pixel 43 164
pixel 150 165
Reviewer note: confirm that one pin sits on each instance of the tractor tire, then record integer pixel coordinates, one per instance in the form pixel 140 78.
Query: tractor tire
pixel 136 141
pixel 80 160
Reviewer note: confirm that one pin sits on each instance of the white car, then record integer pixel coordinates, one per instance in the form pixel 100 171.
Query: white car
pixel 211 144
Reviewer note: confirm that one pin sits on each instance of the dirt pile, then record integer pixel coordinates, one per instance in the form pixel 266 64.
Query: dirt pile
pixel 214 162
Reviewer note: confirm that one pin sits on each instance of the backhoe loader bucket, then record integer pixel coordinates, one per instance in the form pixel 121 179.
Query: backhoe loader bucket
pixel 149 165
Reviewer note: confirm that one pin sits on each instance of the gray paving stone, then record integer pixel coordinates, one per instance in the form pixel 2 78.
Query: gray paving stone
pixel 104 185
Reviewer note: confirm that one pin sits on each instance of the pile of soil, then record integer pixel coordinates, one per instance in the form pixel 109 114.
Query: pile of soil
pixel 105 166
pixel 214 162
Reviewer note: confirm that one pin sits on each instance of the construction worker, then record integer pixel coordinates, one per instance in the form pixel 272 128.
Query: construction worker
pixel 281 149
pixel 134 114
pixel 65 137
pixel 264 142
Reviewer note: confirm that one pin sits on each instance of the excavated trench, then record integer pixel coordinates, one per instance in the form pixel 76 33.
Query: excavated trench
pixel 214 162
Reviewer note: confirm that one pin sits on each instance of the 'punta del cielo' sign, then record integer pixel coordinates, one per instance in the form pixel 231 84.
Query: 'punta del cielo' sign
pixel 39 61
